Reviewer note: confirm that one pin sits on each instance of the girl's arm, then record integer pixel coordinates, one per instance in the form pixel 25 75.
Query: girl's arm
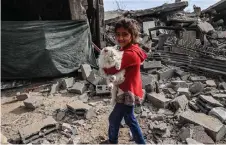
pixel 129 58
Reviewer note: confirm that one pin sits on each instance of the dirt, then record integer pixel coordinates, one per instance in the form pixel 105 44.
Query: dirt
pixel 15 116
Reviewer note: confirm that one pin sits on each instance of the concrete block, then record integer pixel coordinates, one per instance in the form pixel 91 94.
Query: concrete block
pixel 179 83
pixel 184 91
pixel 180 73
pixel 198 79
pixel 211 83
pixel 86 70
pixel 214 128
pixel 215 95
pixel 93 78
pixel 179 102
pixel 32 132
pixel 22 97
pixel 33 102
pixel 210 100
pixel 200 135
pixel 55 87
pixel 158 100
pixel 102 90
pixel 219 112
pixel 68 82
pixel 165 73
pixel 152 71
pixel 78 88
pixel 169 91
pixel 81 109
pixel 152 65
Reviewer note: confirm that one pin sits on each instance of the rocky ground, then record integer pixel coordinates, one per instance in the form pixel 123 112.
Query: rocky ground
pixel 180 107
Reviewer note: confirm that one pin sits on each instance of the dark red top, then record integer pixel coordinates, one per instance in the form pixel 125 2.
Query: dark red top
pixel 133 56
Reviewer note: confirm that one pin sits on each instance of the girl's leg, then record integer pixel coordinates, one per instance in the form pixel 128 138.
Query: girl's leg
pixel 115 119
pixel 131 121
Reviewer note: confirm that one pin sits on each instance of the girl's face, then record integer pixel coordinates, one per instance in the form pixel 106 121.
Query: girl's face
pixel 123 36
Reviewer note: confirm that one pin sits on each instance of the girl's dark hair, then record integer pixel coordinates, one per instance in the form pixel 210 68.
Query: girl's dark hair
pixel 131 25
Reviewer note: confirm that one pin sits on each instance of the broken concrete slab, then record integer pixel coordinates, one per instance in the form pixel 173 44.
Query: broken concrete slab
pixel 220 113
pixel 102 90
pixel 179 102
pixel 32 132
pixel 68 82
pixel 158 99
pixel 215 95
pixel 210 100
pixel 197 87
pixel 200 135
pixel 78 88
pixel 22 97
pixel 180 73
pixel 214 128
pixel 191 141
pixel 33 102
pixel 86 70
pixel 165 73
pixel 169 91
pixel 184 91
pixel 81 109
pixel 198 79
pixel 60 115
pixel 211 83
pixel 179 83
pixel 152 65
pixel 158 117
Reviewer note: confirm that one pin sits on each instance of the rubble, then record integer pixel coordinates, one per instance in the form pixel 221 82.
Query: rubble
pixel 165 73
pixel 152 65
pixel 197 87
pixel 214 128
pixel 32 132
pixel 68 82
pixel 200 135
pixel 222 85
pixel 81 109
pixel 179 102
pixel 184 91
pixel 86 70
pixel 93 78
pixel 55 87
pixel 211 83
pixel 33 102
pixel 210 100
pixel 198 79
pixel 78 88
pixel 84 98
pixel 191 141
pixel 185 133
pixel 158 100
pixel 22 97
pixel 220 113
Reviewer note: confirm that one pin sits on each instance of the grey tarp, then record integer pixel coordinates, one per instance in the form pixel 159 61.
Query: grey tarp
pixel 34 49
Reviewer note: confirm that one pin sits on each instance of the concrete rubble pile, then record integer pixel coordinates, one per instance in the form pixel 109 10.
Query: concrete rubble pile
pixel 181 105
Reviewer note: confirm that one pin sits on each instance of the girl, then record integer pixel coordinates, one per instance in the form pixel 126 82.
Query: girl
pixel 130 91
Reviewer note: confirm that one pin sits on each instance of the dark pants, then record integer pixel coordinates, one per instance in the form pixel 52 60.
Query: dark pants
pixel 115 118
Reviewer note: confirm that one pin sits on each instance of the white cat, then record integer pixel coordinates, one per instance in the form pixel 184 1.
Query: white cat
pixel 110 57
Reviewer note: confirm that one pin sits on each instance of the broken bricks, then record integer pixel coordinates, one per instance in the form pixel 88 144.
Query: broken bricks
pixel 81 109
pixel 37 129
pixel 179 102
pixel 166 73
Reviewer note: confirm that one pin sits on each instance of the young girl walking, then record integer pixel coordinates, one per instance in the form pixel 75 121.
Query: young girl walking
pixel 127 34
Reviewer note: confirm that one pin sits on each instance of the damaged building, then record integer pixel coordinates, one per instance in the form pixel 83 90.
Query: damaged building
pixel 184 76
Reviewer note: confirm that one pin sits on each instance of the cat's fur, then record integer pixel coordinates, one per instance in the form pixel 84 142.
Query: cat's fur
pixel 111 57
